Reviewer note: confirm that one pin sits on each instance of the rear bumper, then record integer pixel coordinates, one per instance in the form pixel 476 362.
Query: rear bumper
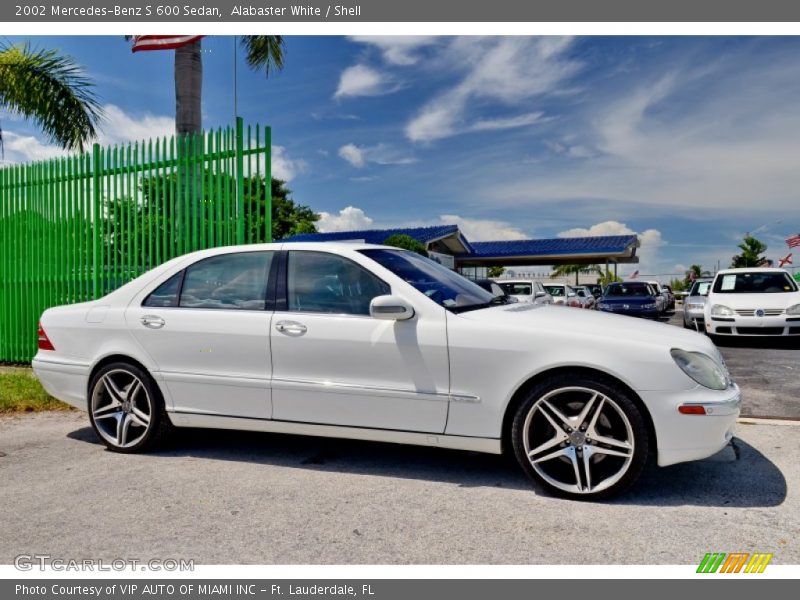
pixel 65 380
pixel 681 437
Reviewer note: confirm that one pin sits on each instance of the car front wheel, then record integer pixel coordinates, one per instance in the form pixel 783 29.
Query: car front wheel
pixel 126 408
pixel 580 437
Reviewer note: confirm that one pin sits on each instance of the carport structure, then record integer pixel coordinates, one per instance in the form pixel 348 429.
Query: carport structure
pixel 448 245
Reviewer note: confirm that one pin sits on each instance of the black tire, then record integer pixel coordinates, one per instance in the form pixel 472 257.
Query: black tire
pixel 621 402
pixel 158 427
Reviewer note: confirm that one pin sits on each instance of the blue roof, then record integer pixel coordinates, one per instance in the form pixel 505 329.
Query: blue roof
pixel 377 236
pixel 609 244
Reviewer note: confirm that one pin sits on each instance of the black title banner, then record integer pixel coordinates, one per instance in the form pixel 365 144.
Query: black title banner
pixel 216 11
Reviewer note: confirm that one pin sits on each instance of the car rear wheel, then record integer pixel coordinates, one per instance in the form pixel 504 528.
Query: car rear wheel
pixel 580 437
pixel 126 408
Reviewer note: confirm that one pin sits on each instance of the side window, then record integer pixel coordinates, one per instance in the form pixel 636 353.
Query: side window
pixel 326 283
pixel 166 294
pixel 229 281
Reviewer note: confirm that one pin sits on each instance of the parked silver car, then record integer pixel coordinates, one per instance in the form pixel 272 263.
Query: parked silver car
pixel 563 294
pixel 525 290
pixel 694 304
pixel 586 297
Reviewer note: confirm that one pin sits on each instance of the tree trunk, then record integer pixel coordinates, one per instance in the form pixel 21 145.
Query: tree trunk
pixel 188 125
pixel 188 88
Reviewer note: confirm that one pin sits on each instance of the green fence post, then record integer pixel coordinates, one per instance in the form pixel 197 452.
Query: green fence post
pixel 97 219
pixel 239 180
pixel 268 180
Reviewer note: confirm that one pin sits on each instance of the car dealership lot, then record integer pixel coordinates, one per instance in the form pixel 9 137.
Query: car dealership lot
pixel 231 497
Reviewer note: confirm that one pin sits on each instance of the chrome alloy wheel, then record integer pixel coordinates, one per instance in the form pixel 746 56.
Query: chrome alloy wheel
pixel 578 440
pixel 122 409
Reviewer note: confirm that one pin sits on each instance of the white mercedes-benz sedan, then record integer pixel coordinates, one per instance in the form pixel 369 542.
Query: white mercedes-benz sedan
pixel 376 343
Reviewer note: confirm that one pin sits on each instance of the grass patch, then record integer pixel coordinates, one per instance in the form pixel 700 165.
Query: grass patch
pixel 20 391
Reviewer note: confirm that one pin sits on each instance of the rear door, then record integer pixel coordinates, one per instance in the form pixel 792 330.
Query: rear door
pixel 207 330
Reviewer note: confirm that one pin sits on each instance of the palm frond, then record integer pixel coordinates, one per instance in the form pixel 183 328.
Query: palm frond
pixel 51 90
pixel 264 52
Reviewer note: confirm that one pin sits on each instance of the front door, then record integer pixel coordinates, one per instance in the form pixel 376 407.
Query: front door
pixel 207 330
pixel 334 364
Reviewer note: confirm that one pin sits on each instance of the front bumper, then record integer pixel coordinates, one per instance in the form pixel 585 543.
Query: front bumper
pixel 753 326
pixel 682 437
pixel 632 311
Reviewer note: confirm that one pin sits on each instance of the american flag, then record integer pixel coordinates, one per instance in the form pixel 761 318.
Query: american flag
pixel 635 274
pixel 162 42
pixel 793 241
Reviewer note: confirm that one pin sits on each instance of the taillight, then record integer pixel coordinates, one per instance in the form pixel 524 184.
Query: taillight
pixel 44 341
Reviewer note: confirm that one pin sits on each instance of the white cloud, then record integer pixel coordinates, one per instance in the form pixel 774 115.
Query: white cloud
pixel 361 80
pixel 650 240
pixel 478 230
pixel 24 148
pixel 352 154
pixel 381 154
pixel 285 167
pixel 509 71
pixel 397 49
pixel 348 219
pixel 120 127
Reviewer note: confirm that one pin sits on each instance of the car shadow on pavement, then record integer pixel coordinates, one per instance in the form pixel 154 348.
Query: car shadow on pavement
pixel 738 476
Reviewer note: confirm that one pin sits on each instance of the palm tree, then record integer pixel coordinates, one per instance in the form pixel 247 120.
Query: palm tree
pixel 51 90
pixel 752 254
pixel 695 272
pixel 262 52
pixel 578 270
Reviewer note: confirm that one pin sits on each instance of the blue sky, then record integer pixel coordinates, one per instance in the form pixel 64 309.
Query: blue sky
pixel 687 141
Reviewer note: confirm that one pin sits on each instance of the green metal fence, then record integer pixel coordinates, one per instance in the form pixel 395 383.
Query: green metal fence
pixel 77 227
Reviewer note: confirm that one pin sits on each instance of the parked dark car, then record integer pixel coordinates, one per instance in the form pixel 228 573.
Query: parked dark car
pixel 636 299
pixel 670 297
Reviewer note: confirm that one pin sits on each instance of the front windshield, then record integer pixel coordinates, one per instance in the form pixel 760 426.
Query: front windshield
pixel 700 288
pixel 555 290
pixel 628 289
pixel 754 282
pixel 445 287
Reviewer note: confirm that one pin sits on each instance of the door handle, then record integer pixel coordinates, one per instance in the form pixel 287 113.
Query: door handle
pixel 291 327
pixel 152 321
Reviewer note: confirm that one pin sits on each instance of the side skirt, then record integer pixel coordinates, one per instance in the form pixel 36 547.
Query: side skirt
pixel 455 442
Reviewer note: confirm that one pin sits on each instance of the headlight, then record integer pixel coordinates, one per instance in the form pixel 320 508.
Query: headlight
pixel 694 306
pixel 718 310
pixel 701 367
pixel 602 305
pixel 793 310
pixel 651 305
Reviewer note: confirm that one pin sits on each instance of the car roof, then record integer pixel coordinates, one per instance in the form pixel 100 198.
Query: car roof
pixel 751 270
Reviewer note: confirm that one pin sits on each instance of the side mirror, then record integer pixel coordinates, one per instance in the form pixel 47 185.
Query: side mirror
pixel 390 308
pixel 541 294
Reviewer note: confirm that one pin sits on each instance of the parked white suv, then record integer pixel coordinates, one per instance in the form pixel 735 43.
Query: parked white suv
pixel 753 301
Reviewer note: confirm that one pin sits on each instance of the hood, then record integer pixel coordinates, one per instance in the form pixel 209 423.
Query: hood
pixel 755 301
pixel 576 325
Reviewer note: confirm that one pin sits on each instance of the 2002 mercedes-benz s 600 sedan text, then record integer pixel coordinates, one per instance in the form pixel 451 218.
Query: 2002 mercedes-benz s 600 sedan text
pixel 377 343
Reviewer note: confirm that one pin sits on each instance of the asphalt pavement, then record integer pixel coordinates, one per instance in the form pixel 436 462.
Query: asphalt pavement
pixel 244 498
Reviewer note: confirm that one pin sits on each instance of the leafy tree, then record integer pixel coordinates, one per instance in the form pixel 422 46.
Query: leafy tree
pixel 401 240
pixel 51 90
pixel 677 284
pixel 578 270
pixel 496 271
pixel 697 271
pixel 608 277
pixel 752 253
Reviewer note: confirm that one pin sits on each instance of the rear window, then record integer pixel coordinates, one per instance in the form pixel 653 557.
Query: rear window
pixel 754 282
